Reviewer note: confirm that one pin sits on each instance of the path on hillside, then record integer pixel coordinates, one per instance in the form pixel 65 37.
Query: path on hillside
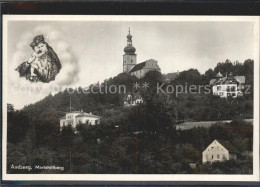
pixel 206 124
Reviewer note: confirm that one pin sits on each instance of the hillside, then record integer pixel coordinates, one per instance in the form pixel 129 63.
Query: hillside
pixel 124 141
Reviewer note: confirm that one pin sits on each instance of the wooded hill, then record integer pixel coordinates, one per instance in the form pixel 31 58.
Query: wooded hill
pixel 140 139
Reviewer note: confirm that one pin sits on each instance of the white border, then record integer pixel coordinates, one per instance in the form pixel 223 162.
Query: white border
pixel 133 177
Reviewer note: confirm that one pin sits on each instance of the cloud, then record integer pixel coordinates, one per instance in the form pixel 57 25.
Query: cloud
pixel 68 75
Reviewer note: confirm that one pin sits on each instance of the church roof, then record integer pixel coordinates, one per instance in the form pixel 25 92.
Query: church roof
pixel 138 67
pixel 229 146
pixel 129 49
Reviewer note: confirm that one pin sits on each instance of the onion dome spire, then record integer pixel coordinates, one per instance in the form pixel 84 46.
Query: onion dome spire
pixel 129 49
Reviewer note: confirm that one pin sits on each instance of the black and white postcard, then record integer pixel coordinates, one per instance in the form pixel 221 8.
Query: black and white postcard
pixel 130 98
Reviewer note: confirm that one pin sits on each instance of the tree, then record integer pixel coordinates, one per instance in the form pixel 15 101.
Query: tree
pixel 10 108
pixel 18 124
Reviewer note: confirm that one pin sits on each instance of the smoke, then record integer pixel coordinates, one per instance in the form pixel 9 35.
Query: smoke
pixel 68 75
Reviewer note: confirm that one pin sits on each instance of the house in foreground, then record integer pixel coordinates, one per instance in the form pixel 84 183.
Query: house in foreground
pixel 219 150
pixel 74 118
pixel 228 86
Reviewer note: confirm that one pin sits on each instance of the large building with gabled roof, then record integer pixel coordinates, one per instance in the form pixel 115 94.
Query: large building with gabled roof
pixel 219 151
pixel 130 61
pixel 228 86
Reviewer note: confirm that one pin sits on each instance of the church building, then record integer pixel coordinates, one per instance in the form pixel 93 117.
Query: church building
pixel 129 61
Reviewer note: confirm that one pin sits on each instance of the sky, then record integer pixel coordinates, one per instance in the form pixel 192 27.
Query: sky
pixel 92 51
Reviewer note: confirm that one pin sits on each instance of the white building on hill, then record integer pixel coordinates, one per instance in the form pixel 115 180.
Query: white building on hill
pixel 219 150
pixel 229 86
pixel 132 99
pixel 78 117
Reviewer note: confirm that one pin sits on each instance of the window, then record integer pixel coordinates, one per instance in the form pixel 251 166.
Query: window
pixel 212 156
pixel 217 156
pixel 219 88
pixel 233 88
pixel 131 60
pixel 224 156
pixel 221 93
pixel 207 157
pixel 228 88
pixel 233 94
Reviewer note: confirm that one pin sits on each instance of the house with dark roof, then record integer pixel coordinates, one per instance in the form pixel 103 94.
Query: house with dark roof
pixel 130 61
pixel 219 151
pixel 228 86
pixel 74 118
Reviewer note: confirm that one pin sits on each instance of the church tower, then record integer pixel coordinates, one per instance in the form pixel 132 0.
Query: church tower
pixel 129 58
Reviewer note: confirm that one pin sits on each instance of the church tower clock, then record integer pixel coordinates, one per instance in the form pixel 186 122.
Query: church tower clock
pixel 129 58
